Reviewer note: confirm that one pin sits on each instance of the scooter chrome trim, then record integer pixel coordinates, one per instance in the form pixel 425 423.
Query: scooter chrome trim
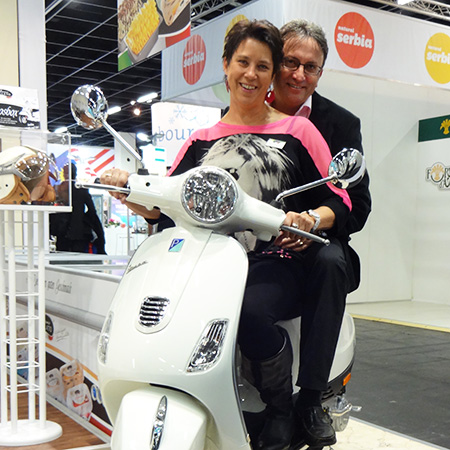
pixel 158 424
pixel 339 411
pixel 153 310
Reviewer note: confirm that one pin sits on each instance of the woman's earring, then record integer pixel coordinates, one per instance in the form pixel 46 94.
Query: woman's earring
pixel 270 96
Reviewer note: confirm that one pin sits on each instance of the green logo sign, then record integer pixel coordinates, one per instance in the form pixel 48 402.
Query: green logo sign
pixel 434 128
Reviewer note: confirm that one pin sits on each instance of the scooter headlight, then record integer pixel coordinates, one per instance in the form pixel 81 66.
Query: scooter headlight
pixel 209 347
pixel 103 342
pixel 209 194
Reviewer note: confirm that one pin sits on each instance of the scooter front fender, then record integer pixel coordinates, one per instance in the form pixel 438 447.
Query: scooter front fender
pixel 139 426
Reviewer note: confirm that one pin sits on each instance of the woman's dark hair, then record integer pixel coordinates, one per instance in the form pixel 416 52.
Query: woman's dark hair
pixel 259 30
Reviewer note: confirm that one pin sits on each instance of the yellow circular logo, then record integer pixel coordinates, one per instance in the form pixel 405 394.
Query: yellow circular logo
pixel 437 57
pixel 234 21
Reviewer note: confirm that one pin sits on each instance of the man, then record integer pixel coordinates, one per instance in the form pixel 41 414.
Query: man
pixel 295 94
pixel 305 52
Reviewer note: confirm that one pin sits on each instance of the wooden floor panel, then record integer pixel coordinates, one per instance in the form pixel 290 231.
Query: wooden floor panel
pixel 74 435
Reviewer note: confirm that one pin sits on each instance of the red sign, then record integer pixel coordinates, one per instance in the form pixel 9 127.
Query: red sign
pixel 354 40
pixel 194 59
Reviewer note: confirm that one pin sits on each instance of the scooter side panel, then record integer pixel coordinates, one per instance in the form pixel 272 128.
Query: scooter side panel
pixel 345 349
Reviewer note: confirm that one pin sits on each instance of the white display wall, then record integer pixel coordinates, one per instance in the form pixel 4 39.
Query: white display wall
pixel 432 237
pixel 404 246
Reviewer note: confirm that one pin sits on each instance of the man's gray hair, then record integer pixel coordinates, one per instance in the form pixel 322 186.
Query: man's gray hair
pixel 303 29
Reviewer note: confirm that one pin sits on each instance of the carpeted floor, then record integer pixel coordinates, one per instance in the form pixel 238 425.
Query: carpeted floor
pixel 401 378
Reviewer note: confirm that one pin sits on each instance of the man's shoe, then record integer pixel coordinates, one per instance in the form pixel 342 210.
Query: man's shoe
pixel 316 425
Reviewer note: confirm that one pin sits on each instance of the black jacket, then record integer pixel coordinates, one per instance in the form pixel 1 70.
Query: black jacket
pixel 341 128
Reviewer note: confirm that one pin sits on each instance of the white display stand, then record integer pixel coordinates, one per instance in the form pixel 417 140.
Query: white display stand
pixel 23 231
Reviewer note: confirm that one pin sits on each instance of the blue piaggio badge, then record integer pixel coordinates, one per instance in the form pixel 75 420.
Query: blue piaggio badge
pixel 176 245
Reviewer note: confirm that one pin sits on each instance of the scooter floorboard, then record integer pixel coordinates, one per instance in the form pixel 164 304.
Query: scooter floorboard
pixel 255 422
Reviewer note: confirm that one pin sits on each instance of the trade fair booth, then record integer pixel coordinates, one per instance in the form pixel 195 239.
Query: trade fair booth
pixel 390 71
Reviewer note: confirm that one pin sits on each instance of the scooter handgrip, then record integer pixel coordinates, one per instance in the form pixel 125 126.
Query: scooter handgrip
pixel 305 234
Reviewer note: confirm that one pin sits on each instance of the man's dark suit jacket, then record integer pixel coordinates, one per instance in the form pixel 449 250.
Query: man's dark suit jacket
pixel 341 128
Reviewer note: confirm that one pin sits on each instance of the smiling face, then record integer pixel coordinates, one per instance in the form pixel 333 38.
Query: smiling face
pixel 293 87
pixel 249 73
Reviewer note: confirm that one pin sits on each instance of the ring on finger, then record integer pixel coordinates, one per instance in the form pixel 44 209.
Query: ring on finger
pixel 299 242
pixel 294 225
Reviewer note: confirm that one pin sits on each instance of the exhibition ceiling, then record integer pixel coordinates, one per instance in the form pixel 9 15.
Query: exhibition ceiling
pixel 82 48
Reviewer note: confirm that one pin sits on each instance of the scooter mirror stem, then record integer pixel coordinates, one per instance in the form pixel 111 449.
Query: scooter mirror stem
pixel 127 146
pixel 305 187
pixel 346 169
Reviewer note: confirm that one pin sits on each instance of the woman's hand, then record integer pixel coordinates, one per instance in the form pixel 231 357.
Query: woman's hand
pixel 119 178
pixel 116 177
pixel 303 221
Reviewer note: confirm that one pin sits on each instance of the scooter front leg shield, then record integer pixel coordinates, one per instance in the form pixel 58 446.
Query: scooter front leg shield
pixel 139 426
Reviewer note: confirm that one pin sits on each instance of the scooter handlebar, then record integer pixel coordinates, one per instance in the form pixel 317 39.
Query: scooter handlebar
pixel 151 191
pixel 306 235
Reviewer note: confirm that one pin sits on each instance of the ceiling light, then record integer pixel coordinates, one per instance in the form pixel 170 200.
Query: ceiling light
pixel 114 110
pixel 136 111
pixel 142 137
pixel 133 102
pixel 147 98
pixel 61 130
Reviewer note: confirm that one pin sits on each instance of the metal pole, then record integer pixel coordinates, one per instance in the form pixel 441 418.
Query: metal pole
pixel 3 325
pixel 31 313
pixel 41 320
pixel 12 314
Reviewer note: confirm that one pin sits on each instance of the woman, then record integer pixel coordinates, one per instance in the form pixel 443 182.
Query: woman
pixel 267 152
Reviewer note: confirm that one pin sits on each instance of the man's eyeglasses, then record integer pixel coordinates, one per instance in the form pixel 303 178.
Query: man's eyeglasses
pixel 293 64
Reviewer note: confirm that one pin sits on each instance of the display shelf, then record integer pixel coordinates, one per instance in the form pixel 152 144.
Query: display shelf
pixel 78 293
pixel 32 170
pixel 24 341
pixel 38 208
pixel 26 238
pixel 25 387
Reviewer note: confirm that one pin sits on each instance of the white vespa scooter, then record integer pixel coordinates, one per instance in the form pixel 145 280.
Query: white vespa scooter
pixel 167 352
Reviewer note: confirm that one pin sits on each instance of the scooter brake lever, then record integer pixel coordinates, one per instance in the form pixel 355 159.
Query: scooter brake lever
pixel 305 234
